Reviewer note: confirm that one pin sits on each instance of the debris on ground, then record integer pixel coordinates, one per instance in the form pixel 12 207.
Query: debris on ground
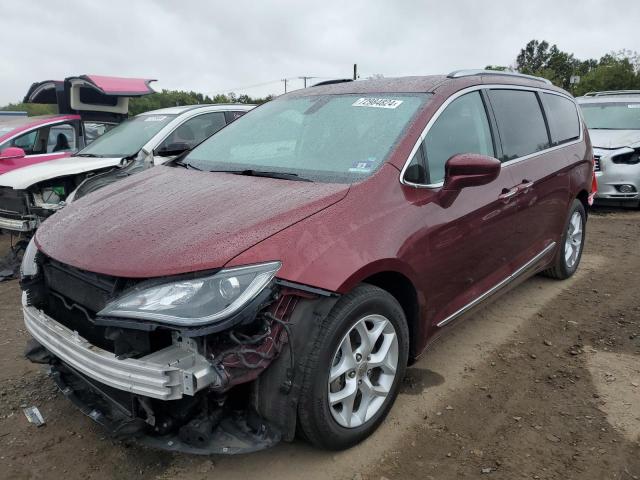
pixel 34 416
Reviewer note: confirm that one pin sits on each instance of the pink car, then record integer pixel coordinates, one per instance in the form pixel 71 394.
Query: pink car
pixel 88 106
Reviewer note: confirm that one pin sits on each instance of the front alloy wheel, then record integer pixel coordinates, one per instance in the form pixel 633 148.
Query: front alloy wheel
pixel 363 370
pixel 353 372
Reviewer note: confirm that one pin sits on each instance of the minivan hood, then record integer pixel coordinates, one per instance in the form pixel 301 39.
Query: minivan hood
pixel 168 221
pixel 26 176
pixel 611 139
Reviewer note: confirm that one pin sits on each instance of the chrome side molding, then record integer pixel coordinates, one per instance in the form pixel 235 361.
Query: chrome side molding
pixel 498 286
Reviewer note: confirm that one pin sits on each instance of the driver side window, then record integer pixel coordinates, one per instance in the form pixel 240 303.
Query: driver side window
pixel 194 130
pixel 463 127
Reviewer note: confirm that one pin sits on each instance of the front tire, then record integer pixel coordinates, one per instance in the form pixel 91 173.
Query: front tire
pixel 354 372
pixel 571 244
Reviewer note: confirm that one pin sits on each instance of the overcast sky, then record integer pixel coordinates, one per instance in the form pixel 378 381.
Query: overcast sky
pixel 247 47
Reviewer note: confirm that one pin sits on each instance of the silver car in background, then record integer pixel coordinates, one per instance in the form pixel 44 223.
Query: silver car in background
pixel 613 119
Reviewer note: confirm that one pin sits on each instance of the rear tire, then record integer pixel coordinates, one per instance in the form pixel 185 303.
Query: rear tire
pixel 571 244
pixel 363 344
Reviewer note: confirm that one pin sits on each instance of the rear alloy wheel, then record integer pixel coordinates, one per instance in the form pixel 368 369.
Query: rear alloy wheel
pixel 571 244
pixel 354 371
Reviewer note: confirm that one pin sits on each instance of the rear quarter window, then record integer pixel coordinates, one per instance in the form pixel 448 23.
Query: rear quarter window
pixel 520 122
pixel 562 115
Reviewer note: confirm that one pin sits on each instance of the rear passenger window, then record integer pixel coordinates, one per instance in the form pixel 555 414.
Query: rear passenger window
pixel 461 128
pixel 520 122
pixel 562 116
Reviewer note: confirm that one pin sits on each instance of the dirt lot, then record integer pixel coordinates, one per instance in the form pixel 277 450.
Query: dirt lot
pixel 544 383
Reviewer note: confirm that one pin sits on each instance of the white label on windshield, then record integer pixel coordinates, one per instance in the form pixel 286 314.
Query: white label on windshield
pixel 155 118
pixel 633 105
pixel 377 103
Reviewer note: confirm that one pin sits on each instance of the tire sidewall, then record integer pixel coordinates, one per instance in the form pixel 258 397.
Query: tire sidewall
pixel 577 206
pixel 342 321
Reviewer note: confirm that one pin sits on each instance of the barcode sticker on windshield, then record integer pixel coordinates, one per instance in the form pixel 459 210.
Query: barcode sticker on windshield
pixel 377 103
pixel 633 105
pixel 155 118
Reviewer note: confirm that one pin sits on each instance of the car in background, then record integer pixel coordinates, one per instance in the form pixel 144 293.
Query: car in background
pixel 88 106
pixel 33 193
pixel 280 276
pixel 613 119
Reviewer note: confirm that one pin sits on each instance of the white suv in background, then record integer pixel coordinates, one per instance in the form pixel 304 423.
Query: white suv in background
pixel 34 192
pixel 613 119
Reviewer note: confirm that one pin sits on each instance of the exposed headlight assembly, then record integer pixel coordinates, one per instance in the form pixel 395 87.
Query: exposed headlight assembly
pixel 29 267
pixel 195 302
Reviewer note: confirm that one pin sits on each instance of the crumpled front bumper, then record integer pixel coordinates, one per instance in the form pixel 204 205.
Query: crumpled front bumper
pixel 167 374
pixel 612 175
pixel 17 224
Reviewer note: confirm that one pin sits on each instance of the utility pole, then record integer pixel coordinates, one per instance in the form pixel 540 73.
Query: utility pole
pixel 355 71
pixel 285 80
pixel 305 80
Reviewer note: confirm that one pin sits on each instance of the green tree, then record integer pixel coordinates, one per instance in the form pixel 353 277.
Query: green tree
pixel 548 61
pixel 31 108
pixel 615 71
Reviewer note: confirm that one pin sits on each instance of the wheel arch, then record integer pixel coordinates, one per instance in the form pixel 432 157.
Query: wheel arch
pixel 404 291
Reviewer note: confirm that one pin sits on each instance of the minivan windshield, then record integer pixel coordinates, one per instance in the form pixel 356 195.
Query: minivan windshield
pixel 612 115
pixel 325 138
pixel 127 138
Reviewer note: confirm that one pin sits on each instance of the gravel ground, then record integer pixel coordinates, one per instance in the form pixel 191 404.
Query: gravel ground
pixel 543 383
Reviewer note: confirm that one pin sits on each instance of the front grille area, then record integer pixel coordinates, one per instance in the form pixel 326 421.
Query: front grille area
pixel 14 201
pixel 72 297
pixel 596 163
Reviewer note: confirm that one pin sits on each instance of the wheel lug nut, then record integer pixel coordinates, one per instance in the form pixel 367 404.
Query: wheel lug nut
pixel 358 357
pixel 352 374
pixel 359 382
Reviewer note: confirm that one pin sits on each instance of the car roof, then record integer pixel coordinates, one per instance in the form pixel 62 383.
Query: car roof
pixel 426 84
pixel 22 121
pixel 626 98
pixel 214 107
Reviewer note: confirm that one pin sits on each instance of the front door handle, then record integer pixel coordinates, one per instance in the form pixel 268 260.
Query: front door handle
pixel 526 184
pixel 508 193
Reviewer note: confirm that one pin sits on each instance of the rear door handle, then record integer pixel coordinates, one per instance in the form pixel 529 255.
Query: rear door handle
pixel 508 193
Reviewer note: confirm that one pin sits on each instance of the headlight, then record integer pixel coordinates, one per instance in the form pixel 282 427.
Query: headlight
pixel 196 301
pixel 29 267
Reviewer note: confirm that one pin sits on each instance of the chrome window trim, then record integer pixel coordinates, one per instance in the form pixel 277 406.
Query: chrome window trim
pixel 474 88
pixel 498 286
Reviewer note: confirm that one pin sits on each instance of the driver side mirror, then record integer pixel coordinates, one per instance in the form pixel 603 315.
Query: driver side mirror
pixel 173 149
pixel 467 170
pixel 12 153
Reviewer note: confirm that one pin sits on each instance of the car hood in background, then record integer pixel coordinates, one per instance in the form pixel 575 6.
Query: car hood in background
pixel 167 221
pixel 610 139
pixel 24 177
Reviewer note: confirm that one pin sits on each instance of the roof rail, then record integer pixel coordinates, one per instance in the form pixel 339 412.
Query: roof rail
pixel 612 93
pixel 469 73
pixel 331 82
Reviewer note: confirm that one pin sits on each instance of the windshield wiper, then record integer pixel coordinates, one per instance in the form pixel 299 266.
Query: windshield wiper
pixel 90 155
pixel 186 165
pixel 279 175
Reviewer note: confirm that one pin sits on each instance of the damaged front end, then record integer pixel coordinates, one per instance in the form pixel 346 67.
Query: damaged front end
pixel 23 210
pixel 126 352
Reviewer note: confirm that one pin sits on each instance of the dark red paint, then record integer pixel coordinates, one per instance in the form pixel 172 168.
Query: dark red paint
pixel 168 221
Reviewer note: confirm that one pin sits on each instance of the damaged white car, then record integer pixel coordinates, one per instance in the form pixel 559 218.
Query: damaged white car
pixel 31 194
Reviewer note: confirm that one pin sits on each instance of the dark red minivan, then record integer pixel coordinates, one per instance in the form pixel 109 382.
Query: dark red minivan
pixel 280 277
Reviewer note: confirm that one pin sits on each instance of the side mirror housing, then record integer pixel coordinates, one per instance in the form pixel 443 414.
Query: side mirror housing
pixel 467 170
pixel 12 153
pixel 173 149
